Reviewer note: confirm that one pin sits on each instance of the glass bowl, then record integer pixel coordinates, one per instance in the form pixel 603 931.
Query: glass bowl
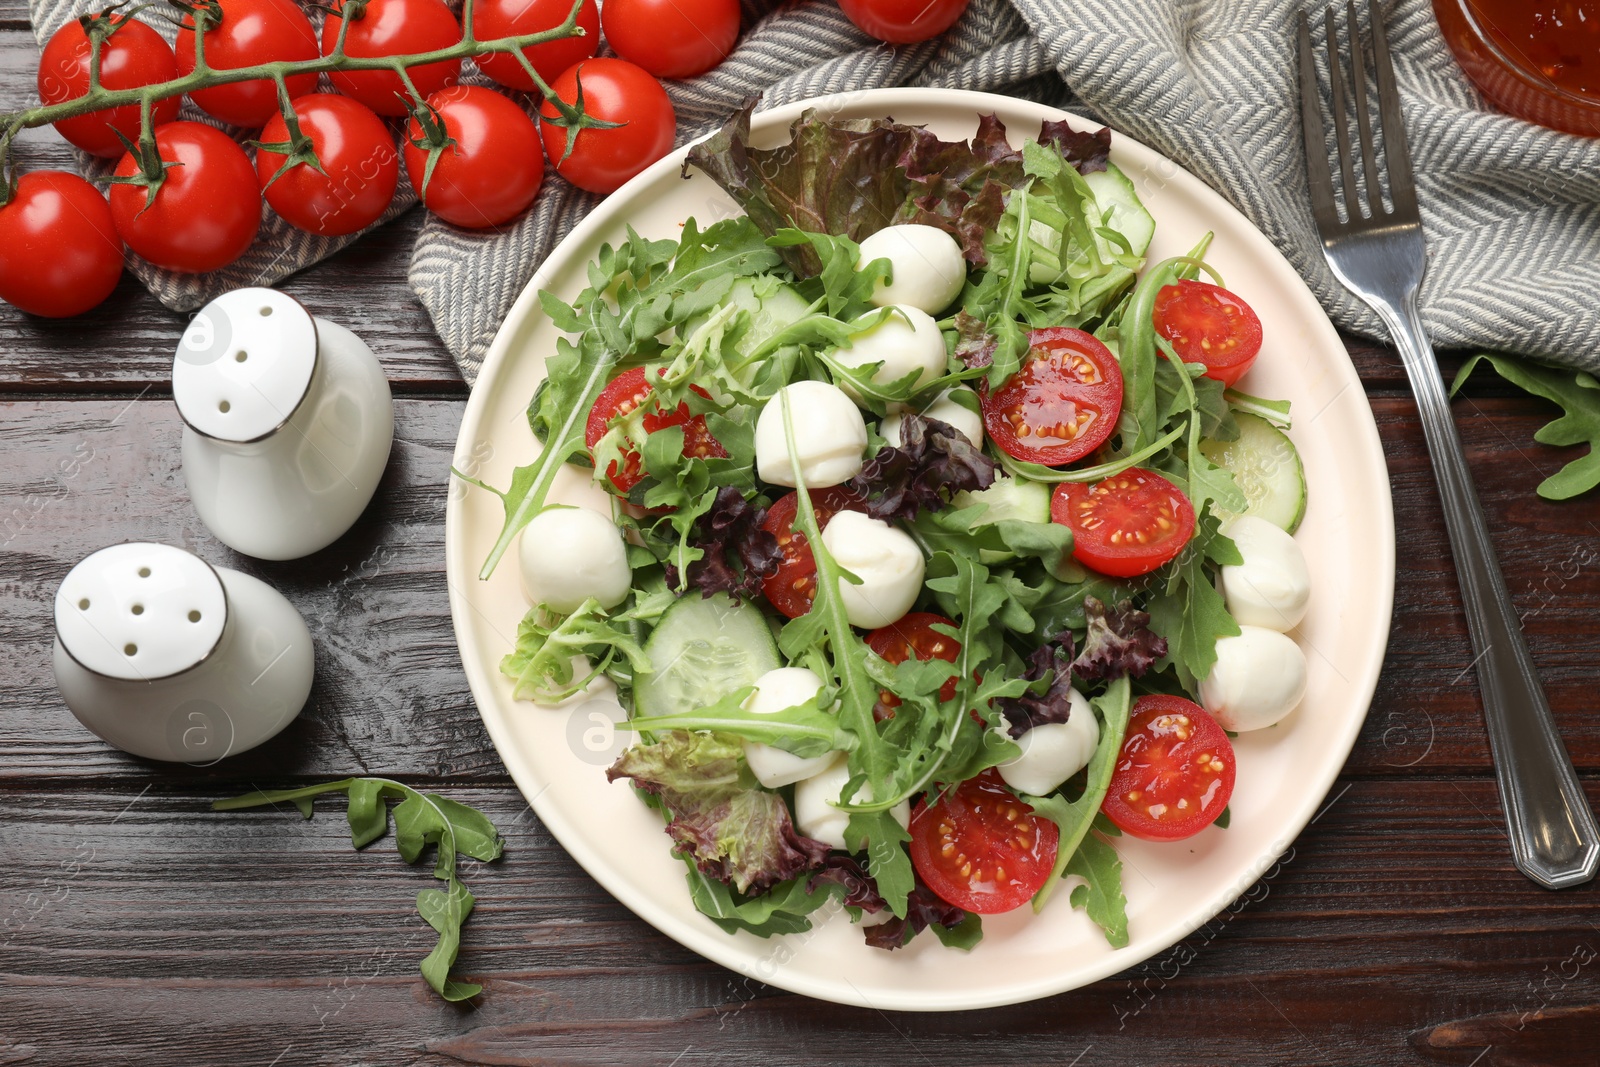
pixel 1538 70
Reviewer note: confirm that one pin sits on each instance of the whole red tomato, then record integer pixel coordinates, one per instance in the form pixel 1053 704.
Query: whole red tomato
pixel 672 38
pixel 614 90
pixel 59 250
pixel 513 18
pixel 903 21
pixel 494 168
pixel 207 210
pixel 360 166
pixel 251 32
pixel 134 55
pixel 388 28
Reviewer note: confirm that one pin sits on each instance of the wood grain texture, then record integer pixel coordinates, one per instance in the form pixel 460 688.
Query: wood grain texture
pixel 129 913
pixel 390 693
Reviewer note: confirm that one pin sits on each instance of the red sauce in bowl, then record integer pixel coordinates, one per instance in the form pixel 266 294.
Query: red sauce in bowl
pixel 1536 59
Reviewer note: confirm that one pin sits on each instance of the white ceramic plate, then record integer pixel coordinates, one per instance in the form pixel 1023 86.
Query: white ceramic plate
pixel 558 756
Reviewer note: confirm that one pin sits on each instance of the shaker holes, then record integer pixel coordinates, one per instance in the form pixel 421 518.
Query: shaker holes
pixel 130 650
pixel 138 609
pixel 224 407
pixel 194 616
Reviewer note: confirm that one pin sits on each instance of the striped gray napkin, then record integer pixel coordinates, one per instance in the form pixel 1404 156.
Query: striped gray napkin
pixel 1512 211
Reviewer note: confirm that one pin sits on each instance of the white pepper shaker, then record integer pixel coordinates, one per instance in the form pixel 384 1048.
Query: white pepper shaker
pixel 164 656
pixel 288 423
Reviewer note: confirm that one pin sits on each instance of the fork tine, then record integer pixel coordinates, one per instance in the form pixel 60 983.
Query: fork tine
pixel 1402 188
pixel 1316 137
pixel 1358 73
pixel 1341 123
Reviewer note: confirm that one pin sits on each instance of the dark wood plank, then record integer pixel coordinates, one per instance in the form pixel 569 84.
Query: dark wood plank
pixel 146 916
pixel 390 694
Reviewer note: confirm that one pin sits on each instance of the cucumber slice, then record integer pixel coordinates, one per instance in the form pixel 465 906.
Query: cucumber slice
pixel 1266 467
pixel 772 303
pixel 1008 498
pixel 703 649
pixel 1115 194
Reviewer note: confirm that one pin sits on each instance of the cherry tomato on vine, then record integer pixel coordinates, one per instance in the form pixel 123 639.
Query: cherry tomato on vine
pixel 134 55
pixel 1208 324
pixel 614 90
pixel 913 635
pixel 493 170
pixel 59 250
pixel 982 849
pixel 513 18
pixel 1127 525
pixel 792 589
pixel 624 394
pixel 251 32
pixel 207 210
pixel 360 166
pixel 903 21
pixel 1062 404
pixel 1175 773
pixel 390 28
pixel 672 38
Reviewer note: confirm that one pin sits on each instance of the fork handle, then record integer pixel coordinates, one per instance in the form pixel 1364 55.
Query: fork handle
pixel 1554 839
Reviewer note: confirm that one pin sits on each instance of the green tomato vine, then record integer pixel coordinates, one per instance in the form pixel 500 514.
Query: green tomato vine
pixel 203 15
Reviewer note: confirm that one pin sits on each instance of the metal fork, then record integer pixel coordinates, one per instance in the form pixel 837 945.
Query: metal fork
pixel 1378 254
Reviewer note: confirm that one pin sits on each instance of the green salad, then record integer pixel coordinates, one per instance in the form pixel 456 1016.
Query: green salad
pixel 942 550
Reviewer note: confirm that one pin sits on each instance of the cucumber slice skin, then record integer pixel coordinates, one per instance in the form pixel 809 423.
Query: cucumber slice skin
pixel 1267 467
pixel 1114 192
pixel 703 649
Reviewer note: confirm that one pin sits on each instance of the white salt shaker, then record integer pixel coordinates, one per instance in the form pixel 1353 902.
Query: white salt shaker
pixel 167 657
pixel 288 423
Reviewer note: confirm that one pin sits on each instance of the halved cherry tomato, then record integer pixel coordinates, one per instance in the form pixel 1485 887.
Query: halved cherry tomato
pixel 625 393
pixel 133 55
pixel 913 635
pixel 1175 773
pixel 251 32
pixel 1208 324
pixel 982 849
pixel 1127 525
pixel 1062 404
pixel 792 589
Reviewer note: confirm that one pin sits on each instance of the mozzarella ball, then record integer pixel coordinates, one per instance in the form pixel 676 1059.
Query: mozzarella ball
pixel 829 434
pixel 905 341
pixel 966 421
pixel 778 691
pixel 1272 587
pixel 1054 752
pixel 571 554
pixel 887 561
pixel 926 267
pixel 1259 677
pixel 815 814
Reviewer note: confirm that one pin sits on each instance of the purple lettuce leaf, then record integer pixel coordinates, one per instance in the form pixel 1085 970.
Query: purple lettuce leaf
pixel 1119 642
pixel 975 345
pixel 960 186
pixel 1085 151
pixel 859 890
pixel 736 553
pixel 1052 660
pixel 732 829
pixel 933 461
pixel 924 908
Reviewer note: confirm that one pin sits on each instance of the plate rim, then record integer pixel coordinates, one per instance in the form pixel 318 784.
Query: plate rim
pixel 711 943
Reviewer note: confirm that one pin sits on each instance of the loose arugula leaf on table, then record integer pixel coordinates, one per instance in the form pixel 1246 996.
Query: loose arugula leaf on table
pixel 421 821
pixel 1075 817
pixel 1578 394
pixel 635 294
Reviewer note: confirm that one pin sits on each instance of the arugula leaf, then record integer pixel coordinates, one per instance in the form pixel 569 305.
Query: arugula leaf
pixel 421 821
pixel 1074 817
pixel 1578 394
pixel 541 664
pixel 803 730
pixel 1097 863
pixel 1190 613
pixel 783 909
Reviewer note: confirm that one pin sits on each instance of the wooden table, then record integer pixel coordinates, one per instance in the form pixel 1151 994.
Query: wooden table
pixel 136 926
